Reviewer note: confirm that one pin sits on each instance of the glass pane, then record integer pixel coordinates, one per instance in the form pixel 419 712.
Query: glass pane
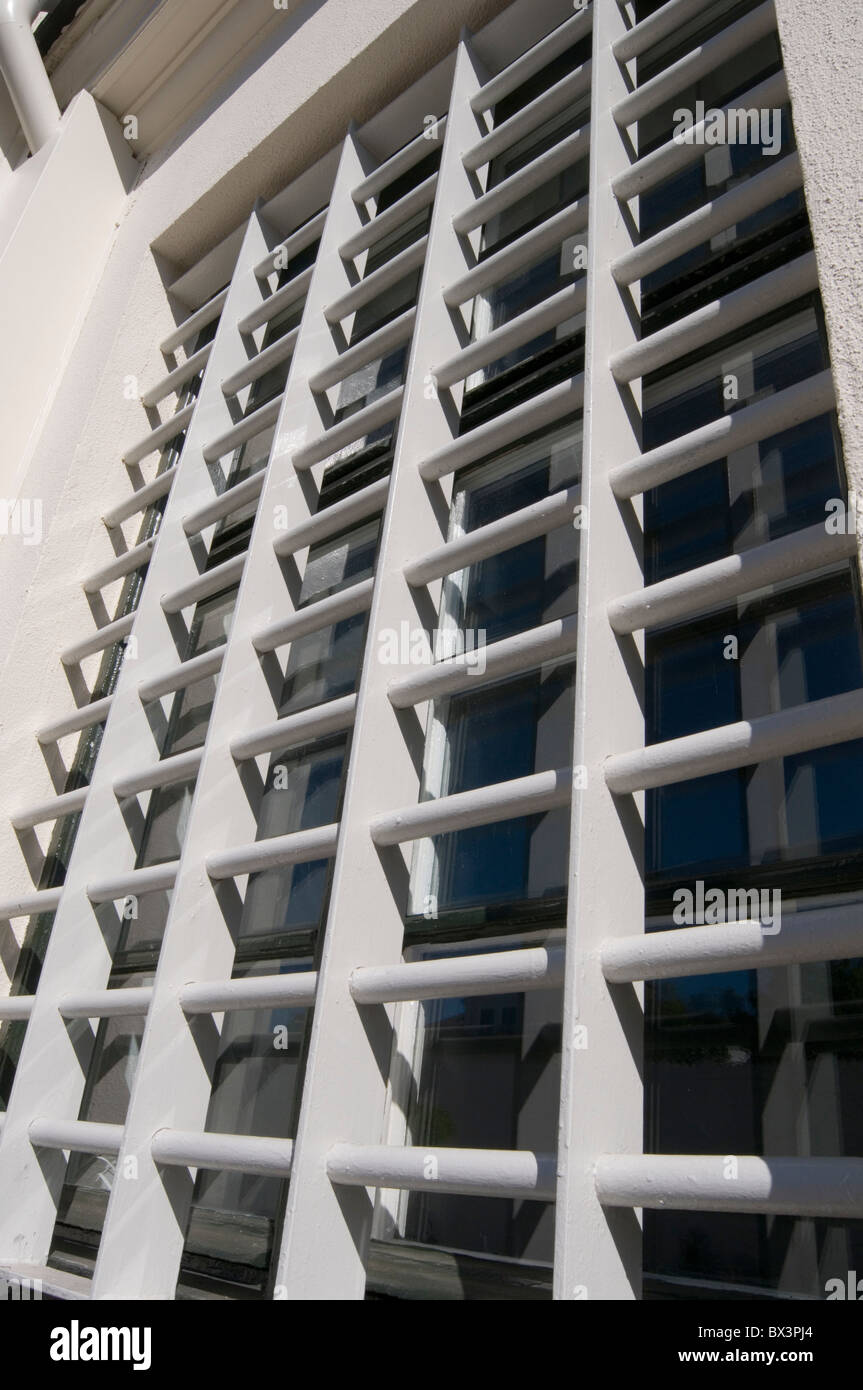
pixel 110 1073
pixel 191 709
pixel 489 1078
pixel 804 644
pixel 304 789
pixel 531 583
pixel 255 1091
pixel 755 494
pixel 489 735
pixel 753 1063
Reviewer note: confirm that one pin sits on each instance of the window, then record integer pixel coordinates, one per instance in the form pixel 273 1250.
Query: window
pixel 487 1075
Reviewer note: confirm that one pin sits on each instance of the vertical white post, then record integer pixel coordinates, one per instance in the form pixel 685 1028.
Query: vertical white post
pixel 51 1071
pixel 173 1083
pixel 327 1229
pixel 598 1252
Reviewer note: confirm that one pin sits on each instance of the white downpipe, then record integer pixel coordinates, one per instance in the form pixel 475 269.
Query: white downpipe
pixel 24 72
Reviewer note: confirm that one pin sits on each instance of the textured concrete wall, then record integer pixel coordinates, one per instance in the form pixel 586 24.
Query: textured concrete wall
pixel 823 49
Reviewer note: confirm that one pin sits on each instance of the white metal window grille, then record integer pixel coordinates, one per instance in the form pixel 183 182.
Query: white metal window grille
pixel 361 365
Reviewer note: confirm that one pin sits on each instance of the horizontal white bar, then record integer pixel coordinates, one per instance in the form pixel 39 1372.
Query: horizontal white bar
pixel 521 652
pixel 498 972
pixel 558 41
pixel 229 1153
pixel 160 436
pixel 813 1187
pixel 80 1136
pixel 98 641
pixel 257 992
pixel 367 289
pixel 548 236
pixel 240 495
pixel 819 724
pixel 675 155
pixel 293 244
pixel 134 883
pixel 524 525
pixel 179 677
pixel 800 937
pixel 107 1003
pixel 302 847
pixel 523 796
pixel 344 604
pixel 245 429
pixel 527 180
pixel 139 500
pixel 714 320
pixel 376 345
pixel 29 904
pixel 396 216
pixel 53 809
pixel 17 1007
pixel 704 59
pixel 276 303
pixel 127 563
pixel 205 585
pixel 356 426
pixel 534 414
pixel 172 383
pixel 369 501
pixel 539 319
pixel 696 591
pixel 723 436
pixel 397 164
pixel 657 26
pixel 328 718
pixel 83 718
pixel 566 92
pixel 180 768
pixel 195 322
pixel 727 210
pixel 479 1172
pixel 263 362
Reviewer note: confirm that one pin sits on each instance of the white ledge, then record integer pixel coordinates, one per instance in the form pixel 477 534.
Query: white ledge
pixel 369 501
pixel 522 796
pixel 256 992
pixel 481 1172
pixel 301 847
pixel 498 972
pixel 715 440
pixel 816 935
pixel 107 1003
pixel 545 409
pixel 229 1153
pixel 134 883
pixel 79 1136
pixel 819 724
pixel 160 436
pixel 326 611
pixel 696 591
pixel 521 652
pixel 331 717
pixel 184 674
pixel 711 321
pixel 201 318
pixel 813 1187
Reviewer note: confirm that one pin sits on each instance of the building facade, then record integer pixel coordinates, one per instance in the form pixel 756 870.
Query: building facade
pixel 432 694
